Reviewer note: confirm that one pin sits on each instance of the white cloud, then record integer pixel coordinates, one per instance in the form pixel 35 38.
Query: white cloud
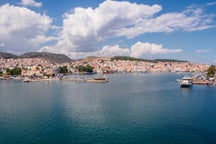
pixel 114 51
pixel 41 39
pixel 84 28
pixel 140 49
pixel 19 26
pixel 107 50
pixel 2 44
pixel 31 3
pixel 137 50
pixel 211 3
pixel 203 51
pixel 191 19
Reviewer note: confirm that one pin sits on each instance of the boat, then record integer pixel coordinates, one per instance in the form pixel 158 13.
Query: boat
pixel 97 80
pixel 26 80
pixel 19 78
pixel 106 72
pixel 186 82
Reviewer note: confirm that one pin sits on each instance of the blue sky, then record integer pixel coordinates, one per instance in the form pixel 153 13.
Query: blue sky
pixel 176 29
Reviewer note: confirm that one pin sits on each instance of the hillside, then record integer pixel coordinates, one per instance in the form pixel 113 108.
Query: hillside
pixel 54 58
pixel 146 60
pixel 7 55
pixel 60 58
pixel 169 60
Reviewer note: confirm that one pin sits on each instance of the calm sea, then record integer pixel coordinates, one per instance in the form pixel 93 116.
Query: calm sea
pixel 130 109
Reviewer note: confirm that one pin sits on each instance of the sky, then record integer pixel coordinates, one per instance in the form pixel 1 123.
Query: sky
pixel 149 29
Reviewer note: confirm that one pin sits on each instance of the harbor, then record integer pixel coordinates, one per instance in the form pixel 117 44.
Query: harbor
pixel 200 79
pixel 185 81
pixel 63 78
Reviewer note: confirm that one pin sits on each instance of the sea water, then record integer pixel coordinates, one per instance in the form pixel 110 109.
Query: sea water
pixel 145 108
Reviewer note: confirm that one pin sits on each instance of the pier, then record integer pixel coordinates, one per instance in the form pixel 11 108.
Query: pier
pixel 94 80
pixel 202 82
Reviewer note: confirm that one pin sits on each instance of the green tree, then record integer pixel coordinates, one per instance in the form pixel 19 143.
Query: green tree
pixel 15 71
pixel 8 71
pixel 89 68
pixel 82 68
pixel 63 69
pixel 211 71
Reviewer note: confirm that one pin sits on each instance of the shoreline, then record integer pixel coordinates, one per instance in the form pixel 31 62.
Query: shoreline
pixel 69 78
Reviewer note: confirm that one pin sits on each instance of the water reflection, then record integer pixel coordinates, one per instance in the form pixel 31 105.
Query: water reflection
pixel 186 89
pixel 131 108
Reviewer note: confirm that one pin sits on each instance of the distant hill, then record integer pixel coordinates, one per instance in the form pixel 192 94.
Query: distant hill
pixel 61 58
pixel 91 58
pixel 7 55
pixel 146 60
pixel 128 58
pixel 169 60
pixel 54 58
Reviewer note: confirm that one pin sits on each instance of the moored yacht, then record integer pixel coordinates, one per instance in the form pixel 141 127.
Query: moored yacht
pixel 186 82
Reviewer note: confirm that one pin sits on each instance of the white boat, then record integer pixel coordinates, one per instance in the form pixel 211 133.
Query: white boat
pixel 178 80
pixel 97 80
pixel 26 80
pixel 186 82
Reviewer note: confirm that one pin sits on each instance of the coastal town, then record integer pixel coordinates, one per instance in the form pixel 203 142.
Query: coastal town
pixel 40 68
pixel 103 65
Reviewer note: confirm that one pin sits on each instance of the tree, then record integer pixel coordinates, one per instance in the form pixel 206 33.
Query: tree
pixel 8 71
pixel 82 68
pixel 15 71
pixel 89 68
pixel 211 71
pixel 63 69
